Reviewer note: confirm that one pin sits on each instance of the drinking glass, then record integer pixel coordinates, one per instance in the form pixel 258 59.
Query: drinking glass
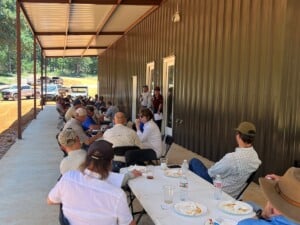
pixel 163 163
pixel 168 194
pixel 150 172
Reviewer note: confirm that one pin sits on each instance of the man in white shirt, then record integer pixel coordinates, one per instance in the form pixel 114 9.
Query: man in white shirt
pixel 235 167
pixel 146 98
pixel 121 135
pixel 71 144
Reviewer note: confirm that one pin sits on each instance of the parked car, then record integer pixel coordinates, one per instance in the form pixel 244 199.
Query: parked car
pixel 79 90
pixel 12 92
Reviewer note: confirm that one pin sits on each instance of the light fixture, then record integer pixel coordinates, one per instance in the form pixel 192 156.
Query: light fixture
pixel 176 16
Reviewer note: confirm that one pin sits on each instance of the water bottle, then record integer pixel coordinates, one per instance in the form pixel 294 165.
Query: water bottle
pixel 183 186
pixel 218 187
pixel 184 167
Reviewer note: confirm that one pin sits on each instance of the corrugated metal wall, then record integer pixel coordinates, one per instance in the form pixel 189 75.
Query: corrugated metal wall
pixel 235 60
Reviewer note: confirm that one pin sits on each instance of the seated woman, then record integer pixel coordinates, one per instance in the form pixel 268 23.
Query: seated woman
pixel 151 136
pixel 91 195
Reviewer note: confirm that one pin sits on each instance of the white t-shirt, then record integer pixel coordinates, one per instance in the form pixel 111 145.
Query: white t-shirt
pixel 88 200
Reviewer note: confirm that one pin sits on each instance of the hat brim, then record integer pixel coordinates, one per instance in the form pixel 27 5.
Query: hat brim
pixel 287 209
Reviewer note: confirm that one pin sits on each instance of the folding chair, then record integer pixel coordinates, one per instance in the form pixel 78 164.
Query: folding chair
pixel 120 151
pixel 168 141
pixel 141 157
pixel 62 219
pixel 249 180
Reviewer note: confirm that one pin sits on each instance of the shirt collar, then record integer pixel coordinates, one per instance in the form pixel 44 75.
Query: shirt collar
pixel 92 174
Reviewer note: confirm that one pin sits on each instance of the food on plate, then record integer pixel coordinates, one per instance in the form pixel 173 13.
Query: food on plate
pixel 142 169
pixel 236 207
pixel 189 208
pixel 173 173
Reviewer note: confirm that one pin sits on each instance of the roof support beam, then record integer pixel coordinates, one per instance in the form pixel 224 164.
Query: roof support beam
pixel 78 33
pixel 98 2
pixel 73 48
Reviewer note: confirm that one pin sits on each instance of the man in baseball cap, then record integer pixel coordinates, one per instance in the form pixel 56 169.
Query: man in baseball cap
pixel 235 167
pixel 283 195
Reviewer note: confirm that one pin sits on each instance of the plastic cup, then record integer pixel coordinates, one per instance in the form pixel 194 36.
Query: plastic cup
pixel 163 163
pixel 168 194
pixel 150 172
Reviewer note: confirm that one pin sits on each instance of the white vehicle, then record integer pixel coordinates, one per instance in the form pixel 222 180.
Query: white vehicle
pixel 78 90
pixel 12 92
pixel 50 91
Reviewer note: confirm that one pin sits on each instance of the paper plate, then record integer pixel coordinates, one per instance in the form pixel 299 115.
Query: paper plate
pixel 142 169
pixel 190 208
pixel 235 207
pixel 176 172
pixel 222 222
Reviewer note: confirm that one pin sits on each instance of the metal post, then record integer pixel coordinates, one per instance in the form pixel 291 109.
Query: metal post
pixel 18 28
pixel 34 76
pixel 42 81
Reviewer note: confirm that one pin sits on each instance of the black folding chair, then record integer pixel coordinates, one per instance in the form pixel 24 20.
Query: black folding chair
pixel 249 180
pixel 62 219
pixel 120 151
pixel 168 141
pixel 141 157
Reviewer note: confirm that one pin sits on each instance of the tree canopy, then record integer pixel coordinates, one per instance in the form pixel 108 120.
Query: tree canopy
pixel 60 66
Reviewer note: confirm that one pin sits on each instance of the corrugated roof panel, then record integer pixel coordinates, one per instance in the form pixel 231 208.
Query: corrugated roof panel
pixel 94 51
pixel 51 53
pixel 132 13
pixel 47 17
pixel 105 40
pixel 52 41
pixel 87 17
pixel 78 40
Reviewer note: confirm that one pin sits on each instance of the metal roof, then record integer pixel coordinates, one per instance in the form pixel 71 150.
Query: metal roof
pixel 66 28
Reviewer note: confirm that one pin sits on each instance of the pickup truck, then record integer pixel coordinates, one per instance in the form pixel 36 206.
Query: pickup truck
pixel 79 90
pixel 12 92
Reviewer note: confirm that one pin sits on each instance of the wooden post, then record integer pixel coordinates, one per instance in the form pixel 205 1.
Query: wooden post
pixel 18 28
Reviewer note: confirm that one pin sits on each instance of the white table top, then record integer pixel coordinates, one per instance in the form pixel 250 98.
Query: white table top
pixel 149 192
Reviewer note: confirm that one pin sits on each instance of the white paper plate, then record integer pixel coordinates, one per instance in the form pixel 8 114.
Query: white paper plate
pixel 176 172
pixel 190 208
pixel 235 207
pixel 142 169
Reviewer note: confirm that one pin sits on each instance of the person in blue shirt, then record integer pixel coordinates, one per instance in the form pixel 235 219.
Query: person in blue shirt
pixel 283 195
pixel 90 123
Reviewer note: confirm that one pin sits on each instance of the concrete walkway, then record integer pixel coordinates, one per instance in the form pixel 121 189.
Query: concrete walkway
pixel 28 171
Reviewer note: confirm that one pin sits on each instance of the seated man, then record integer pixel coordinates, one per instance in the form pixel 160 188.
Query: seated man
pixel 235 167
pixel 121 135
pixel 75 124
pixel 75 155
pixel 111 110
pixel 90 123
pixel 71 110
pixel 283 197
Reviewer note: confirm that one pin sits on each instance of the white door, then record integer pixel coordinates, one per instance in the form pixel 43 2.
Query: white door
pixel 134 97
pixel 168 83
pixel 150 77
